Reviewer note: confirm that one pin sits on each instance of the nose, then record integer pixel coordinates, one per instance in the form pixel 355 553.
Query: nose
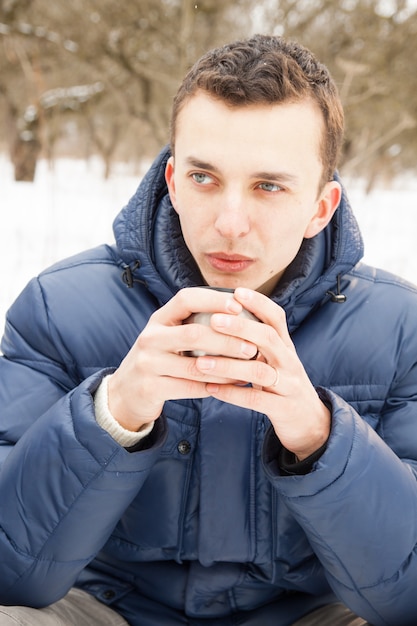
pixel 233 221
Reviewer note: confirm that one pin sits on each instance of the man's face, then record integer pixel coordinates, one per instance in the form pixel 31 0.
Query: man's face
pixel 245 184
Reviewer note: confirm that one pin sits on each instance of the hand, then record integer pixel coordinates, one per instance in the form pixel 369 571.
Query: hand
pixel 280 388
pixel 156 370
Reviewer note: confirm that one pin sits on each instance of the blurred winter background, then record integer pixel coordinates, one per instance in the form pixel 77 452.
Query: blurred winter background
pixel 85 94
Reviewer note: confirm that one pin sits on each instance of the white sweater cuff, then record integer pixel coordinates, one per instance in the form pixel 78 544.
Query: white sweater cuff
pixel 105 419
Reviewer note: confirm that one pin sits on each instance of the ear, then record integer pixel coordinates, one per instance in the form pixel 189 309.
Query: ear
pixel 170 181
pixel 327 204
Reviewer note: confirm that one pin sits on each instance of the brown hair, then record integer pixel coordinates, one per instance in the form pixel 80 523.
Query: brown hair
pixel 266 70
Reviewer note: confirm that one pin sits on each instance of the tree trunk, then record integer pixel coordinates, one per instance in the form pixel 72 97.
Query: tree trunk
pixel 24 141
pixel 25 157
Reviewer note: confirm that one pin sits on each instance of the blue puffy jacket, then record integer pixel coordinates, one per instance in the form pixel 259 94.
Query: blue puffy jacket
pixel 200 526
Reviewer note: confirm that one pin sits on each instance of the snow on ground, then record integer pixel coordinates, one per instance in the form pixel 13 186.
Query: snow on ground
pixel 66 210
pixel 71 208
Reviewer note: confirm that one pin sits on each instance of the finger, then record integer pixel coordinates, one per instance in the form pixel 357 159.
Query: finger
pixel 251 398
pixel 258 373
pixel 195 300
pixel 266 310
pixel 180 389
pixel 157 340
pixel 266 338
pixel 198 338
pixel 180 367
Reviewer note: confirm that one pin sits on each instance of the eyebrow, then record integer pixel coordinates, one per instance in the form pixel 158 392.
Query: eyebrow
pixel 202 165
pixel 285 177
pixel 282 176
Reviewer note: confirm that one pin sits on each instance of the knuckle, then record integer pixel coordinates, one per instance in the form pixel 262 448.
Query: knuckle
pixel 145 339
pixel 255 399
pixel 271 336
pixel 231 346
pixel 189 388
pixel 183 296
pixel 282 315
pixel 238 324
pixel 191 371
pixel 193 333
pixel 260 371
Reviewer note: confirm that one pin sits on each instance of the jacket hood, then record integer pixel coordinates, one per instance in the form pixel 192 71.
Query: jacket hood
pixel 150 244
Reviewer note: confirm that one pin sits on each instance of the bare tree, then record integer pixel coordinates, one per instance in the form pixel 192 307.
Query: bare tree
pixel 54 55
pixel 371 52
pixel 137 51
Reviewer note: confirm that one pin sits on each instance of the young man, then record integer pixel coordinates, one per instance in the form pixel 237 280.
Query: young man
pixel 269 481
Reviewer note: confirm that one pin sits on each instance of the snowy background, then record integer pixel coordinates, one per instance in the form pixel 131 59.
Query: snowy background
pixel 71 208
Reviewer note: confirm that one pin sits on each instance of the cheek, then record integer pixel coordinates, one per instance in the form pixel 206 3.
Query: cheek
pixel 191 226
pixel 296 226
pixel 284 241
pixel 193 215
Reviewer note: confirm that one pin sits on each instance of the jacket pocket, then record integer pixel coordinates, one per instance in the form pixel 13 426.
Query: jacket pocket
pixel 152 526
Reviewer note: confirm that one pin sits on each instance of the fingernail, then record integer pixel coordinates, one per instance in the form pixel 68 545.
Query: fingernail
pixel 233 306
pixel 248 349
pixel 243 293
pixel 223 321
pixel 204 363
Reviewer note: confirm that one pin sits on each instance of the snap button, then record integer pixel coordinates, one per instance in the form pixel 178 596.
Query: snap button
pixel 109 594
pixel 184 447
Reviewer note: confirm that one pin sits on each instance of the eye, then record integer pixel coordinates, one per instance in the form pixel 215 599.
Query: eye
pixel 201 179
pixel 269 187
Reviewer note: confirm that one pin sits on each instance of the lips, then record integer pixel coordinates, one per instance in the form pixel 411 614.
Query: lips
pixel 231 263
